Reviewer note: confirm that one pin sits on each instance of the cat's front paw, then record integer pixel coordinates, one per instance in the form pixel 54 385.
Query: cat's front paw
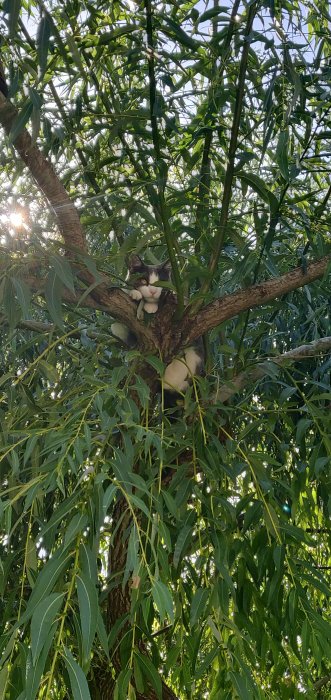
pixel 135 294
pixel 150 308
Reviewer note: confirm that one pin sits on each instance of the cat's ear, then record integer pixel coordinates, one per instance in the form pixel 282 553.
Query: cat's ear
pixel 135 263
pixel 166 265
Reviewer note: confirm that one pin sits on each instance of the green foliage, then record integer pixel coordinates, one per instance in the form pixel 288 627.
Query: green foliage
pixel 220 519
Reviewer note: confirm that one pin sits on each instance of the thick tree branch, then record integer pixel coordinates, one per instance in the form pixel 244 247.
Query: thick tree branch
pixel 48 182
pixel 113 301
pixel 221 310
pixel 260 370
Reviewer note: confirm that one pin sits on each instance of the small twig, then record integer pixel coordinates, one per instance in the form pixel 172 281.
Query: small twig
pixel 162 631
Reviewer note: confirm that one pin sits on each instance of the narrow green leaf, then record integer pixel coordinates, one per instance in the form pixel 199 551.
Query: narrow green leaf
pixel 13 7
pixel 107 37
pixel 163 600
pixel 78 681
pixel 20 121
pixel 302 426
pixel 46 581
pixel 53 290
pixel 198 605
pixel 42 620
pixel 102 633
pixel 131 692
pixel 3 680
pixel 23 294
pixel 260 188
pixel 213 12
pixel 88 562
pixel 34 671
pixel 150 672
pixel 316 583
pixel 88 610
pixel 140 504
pixel 271 520
pixel 177 33
pixel 240 686
pixel 108 497
pixel 48 371
pixel 132 554
pixel 184 538
pixel 171 504
pixel 122 685
pixel 76 525
pixel 281 154
pixel 63 270
pixel 278 556
pixel 305 634
pixel 156 363
pixel 58 515
pixel 43 36
pixel 75 53
pixel 138 676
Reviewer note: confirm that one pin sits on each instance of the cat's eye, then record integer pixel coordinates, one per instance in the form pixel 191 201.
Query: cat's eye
pixel 143 281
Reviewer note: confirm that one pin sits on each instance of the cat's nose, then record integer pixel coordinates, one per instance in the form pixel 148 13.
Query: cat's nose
pixel 153 291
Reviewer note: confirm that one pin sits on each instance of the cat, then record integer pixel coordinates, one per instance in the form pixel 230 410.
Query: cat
pixel 143 277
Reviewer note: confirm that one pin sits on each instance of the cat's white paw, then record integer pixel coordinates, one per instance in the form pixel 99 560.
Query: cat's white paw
pixel 150 308
pixel 135 294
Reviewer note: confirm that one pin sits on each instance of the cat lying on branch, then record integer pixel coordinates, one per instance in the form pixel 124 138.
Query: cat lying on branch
pixel 142 279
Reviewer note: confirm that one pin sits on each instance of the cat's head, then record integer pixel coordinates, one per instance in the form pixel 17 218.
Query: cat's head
pixel 143 277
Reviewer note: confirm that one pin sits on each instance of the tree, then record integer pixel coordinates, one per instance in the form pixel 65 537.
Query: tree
pixel 148 554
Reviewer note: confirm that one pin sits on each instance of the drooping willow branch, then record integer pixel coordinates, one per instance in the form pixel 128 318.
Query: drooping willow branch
pixel 248 378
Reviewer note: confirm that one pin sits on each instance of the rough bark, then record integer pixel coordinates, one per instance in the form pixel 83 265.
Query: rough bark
pixel 112 300
pixel 118 606
pixel 231 305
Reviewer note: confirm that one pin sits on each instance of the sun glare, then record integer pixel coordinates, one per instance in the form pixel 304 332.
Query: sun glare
pixel 16 219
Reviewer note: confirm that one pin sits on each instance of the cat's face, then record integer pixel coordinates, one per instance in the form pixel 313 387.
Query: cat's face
pixel 143 277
